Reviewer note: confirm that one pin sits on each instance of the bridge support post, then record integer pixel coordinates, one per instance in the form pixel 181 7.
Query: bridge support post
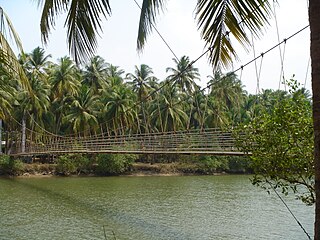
pixel 23 136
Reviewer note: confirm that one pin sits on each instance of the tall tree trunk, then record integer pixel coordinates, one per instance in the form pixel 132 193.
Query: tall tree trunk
pixel 23 137
pixel 1 136
pixel 314 19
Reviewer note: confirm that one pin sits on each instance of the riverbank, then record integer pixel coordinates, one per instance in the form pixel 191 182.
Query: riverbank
pixel 35 170
pixel 114 165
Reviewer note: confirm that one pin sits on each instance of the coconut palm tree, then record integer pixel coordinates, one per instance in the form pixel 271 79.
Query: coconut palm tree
pixel 36 63
pixel 64 79
pixel 114 75
pixel 141 79
pixel 168 112
pixel 228 90
pixel 82 112
pixel 65 82
pixel 184 75
pixel 7 93
pixel 119 109
pixel 95 74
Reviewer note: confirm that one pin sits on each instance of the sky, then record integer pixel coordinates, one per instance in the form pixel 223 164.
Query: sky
pixel 177 25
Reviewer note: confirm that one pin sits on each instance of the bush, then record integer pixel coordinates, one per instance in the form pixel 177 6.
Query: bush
pixel 239 164
pixel 10 166
pixel 114 164
pixel 211 164
pixel 82 163
pixel 65 165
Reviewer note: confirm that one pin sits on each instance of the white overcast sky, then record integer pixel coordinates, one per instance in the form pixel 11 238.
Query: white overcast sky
pixel 177 24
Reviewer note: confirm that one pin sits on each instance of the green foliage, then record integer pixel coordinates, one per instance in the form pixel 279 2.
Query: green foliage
pixel 10 166
pixel 239 164
pixel 280 139
pixel 114 164
pixel 73 163
pixel 210 164
pixel 82 163
pixel 65 165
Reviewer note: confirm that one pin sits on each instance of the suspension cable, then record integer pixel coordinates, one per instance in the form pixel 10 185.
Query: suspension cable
pixel 287 207
pixel 162 38
pixel 253 60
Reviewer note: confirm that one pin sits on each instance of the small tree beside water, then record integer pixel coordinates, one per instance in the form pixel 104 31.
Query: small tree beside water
pixel 280 140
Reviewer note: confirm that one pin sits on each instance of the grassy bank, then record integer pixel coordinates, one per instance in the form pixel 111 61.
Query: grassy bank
pixel 122 164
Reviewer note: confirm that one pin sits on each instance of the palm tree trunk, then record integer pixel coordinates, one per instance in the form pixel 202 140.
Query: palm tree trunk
pixel 314 19
pixel 23 137
pixel 1 136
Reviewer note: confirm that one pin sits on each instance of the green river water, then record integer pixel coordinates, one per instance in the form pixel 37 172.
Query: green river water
pixel 185 207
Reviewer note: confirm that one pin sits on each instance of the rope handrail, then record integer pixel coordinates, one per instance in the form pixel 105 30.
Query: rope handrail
pixel 193 141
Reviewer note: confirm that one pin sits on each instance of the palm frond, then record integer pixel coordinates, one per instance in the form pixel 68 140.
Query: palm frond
pixel 8 58
pixel 218 20
pixel 149 11
pixel 83 23
pixel 50 8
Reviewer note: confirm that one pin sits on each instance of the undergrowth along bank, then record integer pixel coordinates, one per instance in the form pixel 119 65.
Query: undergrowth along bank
pixel 119 164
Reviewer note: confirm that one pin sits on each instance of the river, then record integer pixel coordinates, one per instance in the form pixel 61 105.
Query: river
pixel 184 207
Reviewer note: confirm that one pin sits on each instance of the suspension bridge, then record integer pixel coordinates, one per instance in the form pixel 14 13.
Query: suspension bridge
pixel 200 142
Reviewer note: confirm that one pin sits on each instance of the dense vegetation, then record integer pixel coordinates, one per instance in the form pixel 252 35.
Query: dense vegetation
pixel 98 97
pixel 68 99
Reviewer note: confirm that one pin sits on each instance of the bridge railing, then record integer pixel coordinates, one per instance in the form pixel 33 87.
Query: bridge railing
pixel 196 141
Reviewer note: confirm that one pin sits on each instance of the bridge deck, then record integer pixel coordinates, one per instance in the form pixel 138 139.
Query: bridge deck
pixel 197 142
pixel 212 153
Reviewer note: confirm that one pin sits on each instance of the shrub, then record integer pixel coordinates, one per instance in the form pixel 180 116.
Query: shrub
pixel 213 164
pixel 10 166
pixel 65 165
pixel 239 164
pixel 82 163
pixel 114 164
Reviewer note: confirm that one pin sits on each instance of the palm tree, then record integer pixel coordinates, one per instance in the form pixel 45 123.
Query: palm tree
pixel 114 75
pixel 228 91
pixel 141 80
pixel 33 103
pixel 184 75
pixel 82 112
pixel 119 109
pixel 168 112
pixel 36 62
pixel 65 84
pixel 64 79
pixel 95 74
pixel 7 91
